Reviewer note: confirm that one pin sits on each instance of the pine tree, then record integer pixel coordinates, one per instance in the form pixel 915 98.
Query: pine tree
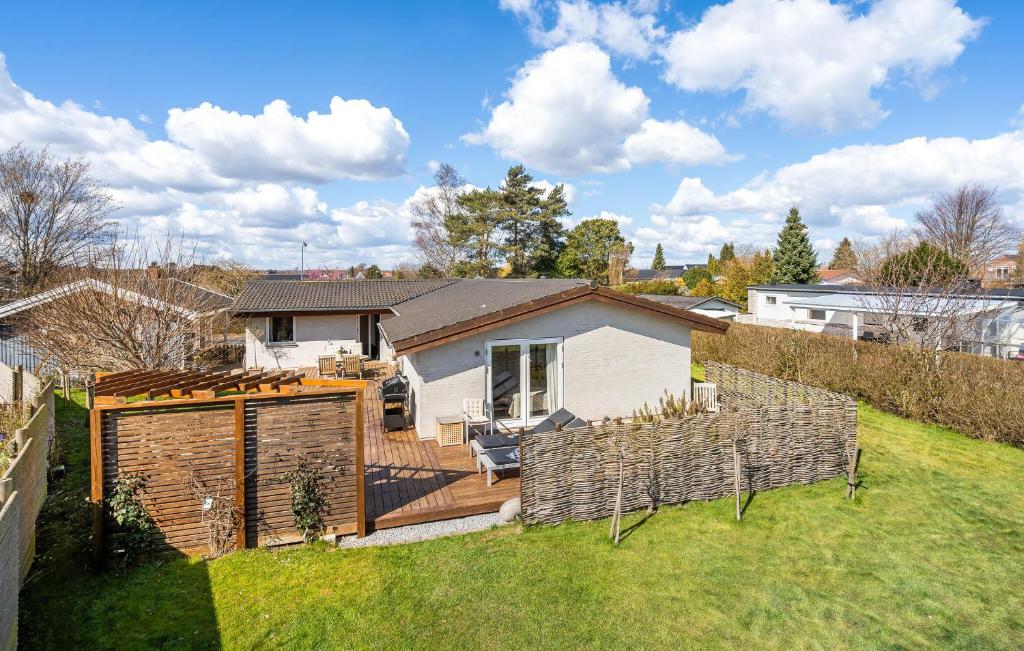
pixel 547 235
pixel 727 253
pixel 844 257
pixel 794 259
pixel 658 264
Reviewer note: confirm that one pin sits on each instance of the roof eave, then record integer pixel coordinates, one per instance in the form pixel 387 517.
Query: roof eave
pixel 484 323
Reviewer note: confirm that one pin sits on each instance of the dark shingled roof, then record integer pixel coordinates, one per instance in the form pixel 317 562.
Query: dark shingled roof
pixel 266 296
pixel 468 299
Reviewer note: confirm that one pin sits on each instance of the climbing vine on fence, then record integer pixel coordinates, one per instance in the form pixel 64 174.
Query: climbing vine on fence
pixel 309 502
pixel 133 520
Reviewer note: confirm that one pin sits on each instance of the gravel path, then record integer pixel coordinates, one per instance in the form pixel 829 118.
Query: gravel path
pixel 427 531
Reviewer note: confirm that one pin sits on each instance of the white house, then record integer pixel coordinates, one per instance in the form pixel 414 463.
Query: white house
pixel 857 311
pixel 527 347
pixel 712 306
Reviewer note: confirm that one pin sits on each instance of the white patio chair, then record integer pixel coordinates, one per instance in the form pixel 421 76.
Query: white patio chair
pixel 474 413
pixel 706 395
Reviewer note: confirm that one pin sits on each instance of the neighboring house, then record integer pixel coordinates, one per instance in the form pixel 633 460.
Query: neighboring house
pixel 14 346
pixel 526 347
pixel 1000 271
pixel 857 312
pixel 670 272
pixel 712 306
pixel 838 276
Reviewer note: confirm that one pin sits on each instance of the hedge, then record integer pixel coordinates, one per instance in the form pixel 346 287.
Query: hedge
pixel 982 397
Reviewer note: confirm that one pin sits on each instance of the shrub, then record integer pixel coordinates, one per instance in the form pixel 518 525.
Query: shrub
pixel 982 397
pixel 309 503
pixel 659 287
pixel 135 526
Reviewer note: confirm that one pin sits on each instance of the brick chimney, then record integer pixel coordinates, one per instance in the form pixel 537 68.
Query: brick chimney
pixel 153 272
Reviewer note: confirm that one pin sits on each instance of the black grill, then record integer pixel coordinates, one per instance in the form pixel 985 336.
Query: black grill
pixel 394 394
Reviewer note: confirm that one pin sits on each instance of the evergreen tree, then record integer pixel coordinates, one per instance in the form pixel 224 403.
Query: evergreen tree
pixel 924 265
pixel 373 272
pixel 712 266
pixel 844 257
pixel 548 235
pixel 727 253
pixel 694 275
pixel 474 230
pixel 794 259
pixel 658 263
pixel 589 248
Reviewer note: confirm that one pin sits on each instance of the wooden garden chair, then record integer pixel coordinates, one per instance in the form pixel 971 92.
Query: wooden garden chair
pixel 328 365
pixel 352 365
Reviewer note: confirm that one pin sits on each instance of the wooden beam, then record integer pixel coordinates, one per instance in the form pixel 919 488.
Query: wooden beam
pixel 254 383
pixel 209 381
pixel 360 467
pixel 105 388
pixel 240 540
pixel 143 386
pixel 230 383
pixel 96 488
pixel 276 384
pixel 175 384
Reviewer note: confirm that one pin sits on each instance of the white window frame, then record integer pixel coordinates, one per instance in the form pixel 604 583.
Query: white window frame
pixel 812 310
pixel 771 300
pixel 270 331
pixel 524 420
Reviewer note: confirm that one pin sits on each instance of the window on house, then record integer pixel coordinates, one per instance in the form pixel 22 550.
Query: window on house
pixel 1002 273
pixel 816 315
pixel 282 329
pixel 770 300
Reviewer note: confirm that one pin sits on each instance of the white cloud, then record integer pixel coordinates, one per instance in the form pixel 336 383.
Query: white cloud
pixel 617 26
pixel 568 188
pixel 814 62
pixel 567 113
pixel 210 148
pixel 673 142
pixel 355 140
pixel 903 173
pixel 229 181
pixel 692 238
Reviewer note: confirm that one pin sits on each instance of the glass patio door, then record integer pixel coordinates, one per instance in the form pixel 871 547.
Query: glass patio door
pixel 524 380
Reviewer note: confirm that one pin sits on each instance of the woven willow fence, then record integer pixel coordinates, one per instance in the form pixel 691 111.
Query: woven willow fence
pixel 784 433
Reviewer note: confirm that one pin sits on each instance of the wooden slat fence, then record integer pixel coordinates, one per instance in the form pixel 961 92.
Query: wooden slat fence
pixel 784 433
pixel 22 494
pixel 240 446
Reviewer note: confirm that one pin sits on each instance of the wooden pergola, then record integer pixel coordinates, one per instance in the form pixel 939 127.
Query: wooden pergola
pixel 125 386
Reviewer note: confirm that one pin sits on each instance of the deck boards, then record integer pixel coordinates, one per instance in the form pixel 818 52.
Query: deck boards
pixel 409 481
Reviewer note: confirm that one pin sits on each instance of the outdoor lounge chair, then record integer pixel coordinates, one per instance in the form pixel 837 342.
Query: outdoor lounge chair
pixel 482 444
pixel 498 460
pixel 561 419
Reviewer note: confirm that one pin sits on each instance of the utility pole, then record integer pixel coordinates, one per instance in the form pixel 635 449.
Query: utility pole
pixel 302 262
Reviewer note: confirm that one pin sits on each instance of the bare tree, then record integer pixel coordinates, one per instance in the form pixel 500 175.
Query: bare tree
pixel 51 214
pixel 969 225
pixel 923 298
pixel 434 246
pixel 872 253
pixel 124 309
pixel 226 277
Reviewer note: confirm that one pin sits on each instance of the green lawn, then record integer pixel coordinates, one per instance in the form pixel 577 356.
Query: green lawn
pixel 931 554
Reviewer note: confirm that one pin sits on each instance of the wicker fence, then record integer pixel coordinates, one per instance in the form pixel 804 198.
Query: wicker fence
pixel 22 491
pixel 782 432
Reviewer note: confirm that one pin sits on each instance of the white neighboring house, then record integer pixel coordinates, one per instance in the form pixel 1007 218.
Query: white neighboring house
pixel 526 347
pixel 15 349
pixel 856 311
pixel 712 306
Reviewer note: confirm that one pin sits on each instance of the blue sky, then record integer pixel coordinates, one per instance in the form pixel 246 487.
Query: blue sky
pixel 691 123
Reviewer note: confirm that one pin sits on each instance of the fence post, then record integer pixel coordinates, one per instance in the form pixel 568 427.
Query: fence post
pixel 19 439
pixel 17 384
pixel 96 492
pixel 240 534
pixel 360 469
pixel 6 488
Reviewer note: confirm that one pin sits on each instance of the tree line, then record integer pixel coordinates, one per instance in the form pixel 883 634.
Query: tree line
pixel 515 230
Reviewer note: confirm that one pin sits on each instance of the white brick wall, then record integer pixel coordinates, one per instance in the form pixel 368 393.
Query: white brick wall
pixel 314 336
pixel 614 360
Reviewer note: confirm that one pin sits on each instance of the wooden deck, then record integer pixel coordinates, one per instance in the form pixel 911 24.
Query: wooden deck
pixel 409 481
